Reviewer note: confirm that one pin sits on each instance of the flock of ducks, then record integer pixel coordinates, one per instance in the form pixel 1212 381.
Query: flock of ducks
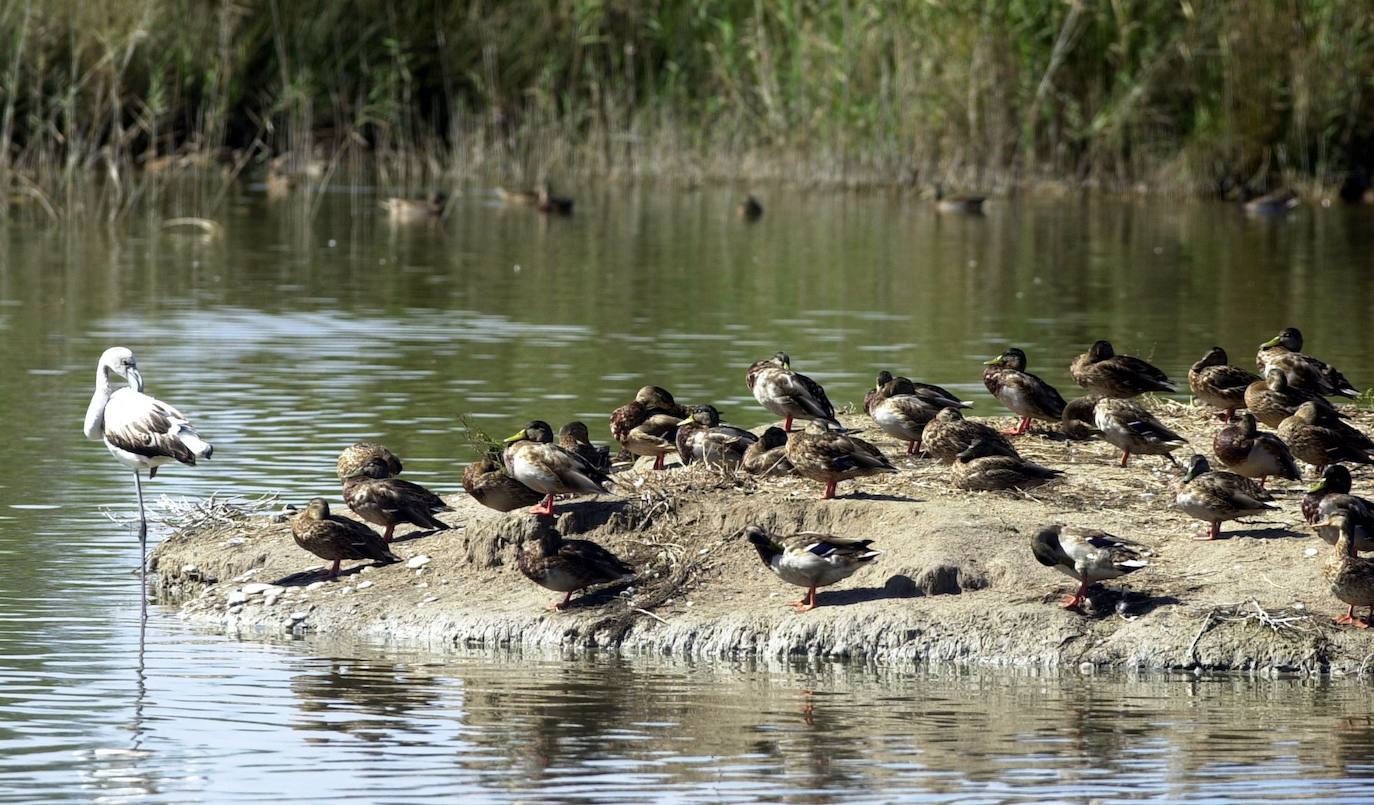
pixel 534 466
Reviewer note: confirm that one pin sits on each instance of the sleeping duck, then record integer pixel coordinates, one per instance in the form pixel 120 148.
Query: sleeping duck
pixel 1246 450
pixel 568 565
pixel 1086 555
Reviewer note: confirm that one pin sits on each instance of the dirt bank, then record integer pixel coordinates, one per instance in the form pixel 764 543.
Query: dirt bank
pixel 957 583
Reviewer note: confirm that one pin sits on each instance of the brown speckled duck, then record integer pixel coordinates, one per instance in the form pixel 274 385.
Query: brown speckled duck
pixel 702 437
pixel 1322 439
pixel 1106 374
pixel 949 434
pixel 1272 400
pixel 1131 429
pixel 1249 452
pixel 335 539
pixel 1331 495
pixel 487 481
pixel 649 401
pixel 415 210
pixel 1284 352
pixel 788 393
pixel 568 565
pixel 887 385
pixel 574 438
pixel 1215 383
pixel 903 414
pixel 1214 496
pixel 828 456
pixel 1021 392
pixel 768 456
pixel 1086 555
pixel 1079 421
pixel 1350 575
pixel 982 468
pixel 354 457
pixel 379 499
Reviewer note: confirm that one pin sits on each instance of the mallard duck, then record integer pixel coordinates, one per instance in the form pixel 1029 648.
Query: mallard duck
pixel 574 438
pixel 958 204
pixel 787 393
pixel 413 210
pixel 487 481
pixel 541 198
pixel 1278 202
pixel 1322 439
pixel 1106 374
pixel 649 401
pixel 656 436
pixel 1330 495
pixel 749 210
pixel 1023 393
pixel 701 437
pixel 903 414
pixel 1284 352
pixel 949 434
pixel 1086 554
pixel 809 559
pixel 1350 575
pixel 983 468
pixel 1132 429
pixel 887 386
pixel 356 456
pixel 1272 400
pixel 1214 496
pixel 568 565
pixel 1079 421
pixel 533 460
pixel 335 539
pixel 1247 451
pixel 768 456
pixel 379 499
pixel 829 456
pixel 1218 384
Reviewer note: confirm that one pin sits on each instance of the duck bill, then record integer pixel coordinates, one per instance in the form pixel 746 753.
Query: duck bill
pixel 1273 342
pixel 994 362
pixel 516 437
pixel 1319 486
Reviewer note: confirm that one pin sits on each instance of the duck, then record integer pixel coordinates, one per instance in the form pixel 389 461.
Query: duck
pixel 903 414
pixel 1218 384
pixel 533 460
pixel 1131 429
pixel 823 454
pixel 887 385
pixel 1284 352
pixel 1086 555
pixel 958 204
pixel 701 437
pixel 382 500
pixel 655 436
pixel 1247 451
pixel 541 198
pixel 568 565
pixel 767 457
pixel 356 456
pixel 1350 575
pixel 1279 202
pixel 810 560
pixel 749 210
pixel 983 468
pixel 649 401
pixel 414 210
pixel 1331 494
pixel 1105 374
pixel 335 539
pixel 949 434
pixel 1021 392
pixel 1214 496
pixel 487 481
pixel 1272 400
pixel 1322 439
pixel 1078 422
pixel 788 393
pixel 575 438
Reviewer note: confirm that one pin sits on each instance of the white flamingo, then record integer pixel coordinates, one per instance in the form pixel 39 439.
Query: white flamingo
pixel 142 432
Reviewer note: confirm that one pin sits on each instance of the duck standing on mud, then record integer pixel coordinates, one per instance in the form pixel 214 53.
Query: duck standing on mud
pixel 810 560
pixel 568 565
pixel 788 393
pixel 1021 392
pixel 535 461
pixel 1331 495
pixel 1350 575
pixel 1087 555
pixel 378 498
pixel 335 539
pixel 1214 496
pixel 1216 383
pixel 829 456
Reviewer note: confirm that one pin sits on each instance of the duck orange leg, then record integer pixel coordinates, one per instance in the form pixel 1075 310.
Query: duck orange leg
pixel 829 491
pixel 545 507
pixel 808 601
pixel 1075 600
pixel 1125 456
pixel 1212 533
pixel 1020 429
pixel 559 606
pixel 387 536
pixel 787 424
pixel 658 461
pixel 334 571
pixel 911 448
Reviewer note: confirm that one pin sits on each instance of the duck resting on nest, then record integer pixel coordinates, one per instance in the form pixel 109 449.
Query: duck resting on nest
pixel 379 499
pixel 810 560
pixel 355 457
pixel 533 460
pixel 829 456
pixel 488 482
pixel 768 456
pixel 788 393
pixel 1246 450
pixel 1087 555
pixel 1214 496
pixel 1302 371
pixel 701 437
pixel 983 467
pixel 1106 374
pixel 568 565
pixel 335 539
pixel 1021 392
pixel 1216 383
pixel 1330 495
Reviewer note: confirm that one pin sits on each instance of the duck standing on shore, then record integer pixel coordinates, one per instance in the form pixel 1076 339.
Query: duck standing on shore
pixel 568 565
pixel 788 393
pixel 335 539
pixel 1106 374
pixel 887 385
pixel 1350 575
pixel 1244 449
pixel 810 560
pixel 382 500
pixel 1331 495
pixel 702 437
pixel 1214 496
pixel 1129 427
pixel 1323 439
pixel 829 456
pixel 1021 392
pixel 1216 383
pixel 1302 371
pixel 535 461
pixel 1087 555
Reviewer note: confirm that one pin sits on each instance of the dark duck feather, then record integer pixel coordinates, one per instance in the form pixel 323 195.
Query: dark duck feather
pixel 568 565
pixel 1021 392
pixel 335 539
pixel 1105 374
pixel 378 498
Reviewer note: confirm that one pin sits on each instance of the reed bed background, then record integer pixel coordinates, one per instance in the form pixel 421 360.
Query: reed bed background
pixel 99 99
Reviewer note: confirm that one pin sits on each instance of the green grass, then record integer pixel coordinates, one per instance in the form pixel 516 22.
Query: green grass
pixel 1182 96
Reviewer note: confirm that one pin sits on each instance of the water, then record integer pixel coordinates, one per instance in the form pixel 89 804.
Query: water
pixel 294 336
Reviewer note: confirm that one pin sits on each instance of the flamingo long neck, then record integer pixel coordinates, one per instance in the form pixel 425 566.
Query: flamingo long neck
pixel 94 427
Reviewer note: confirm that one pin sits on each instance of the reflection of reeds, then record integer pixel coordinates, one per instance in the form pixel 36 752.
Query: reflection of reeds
pixel 100 102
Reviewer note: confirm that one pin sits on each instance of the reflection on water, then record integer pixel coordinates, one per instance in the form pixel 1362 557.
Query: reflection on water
pixel 296 334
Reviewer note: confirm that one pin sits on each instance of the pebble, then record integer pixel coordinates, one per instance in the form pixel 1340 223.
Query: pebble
pixel 346 590
pixel 262 588
pixel 270 599
pixel 1310 552
pixel 366 569
pixel 247 574
pixel 417 562
pixel 187 570
pixel 313 586
pixel 363 585
pixel 297 617
pixel 237 597
pixel 234 541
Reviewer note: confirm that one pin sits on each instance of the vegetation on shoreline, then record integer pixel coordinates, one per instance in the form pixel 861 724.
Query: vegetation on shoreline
pixel 1181 96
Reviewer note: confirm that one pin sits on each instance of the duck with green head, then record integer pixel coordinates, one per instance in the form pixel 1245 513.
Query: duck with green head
pixel 535 461
pixel 1086 555
pixel 1023 393
pixel 1302 371
pixel 808 559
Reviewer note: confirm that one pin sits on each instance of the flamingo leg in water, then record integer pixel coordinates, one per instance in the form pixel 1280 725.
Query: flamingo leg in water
pixel 142 551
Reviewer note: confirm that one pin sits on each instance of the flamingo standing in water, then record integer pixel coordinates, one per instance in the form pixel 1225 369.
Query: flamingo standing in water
pixel 140 431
